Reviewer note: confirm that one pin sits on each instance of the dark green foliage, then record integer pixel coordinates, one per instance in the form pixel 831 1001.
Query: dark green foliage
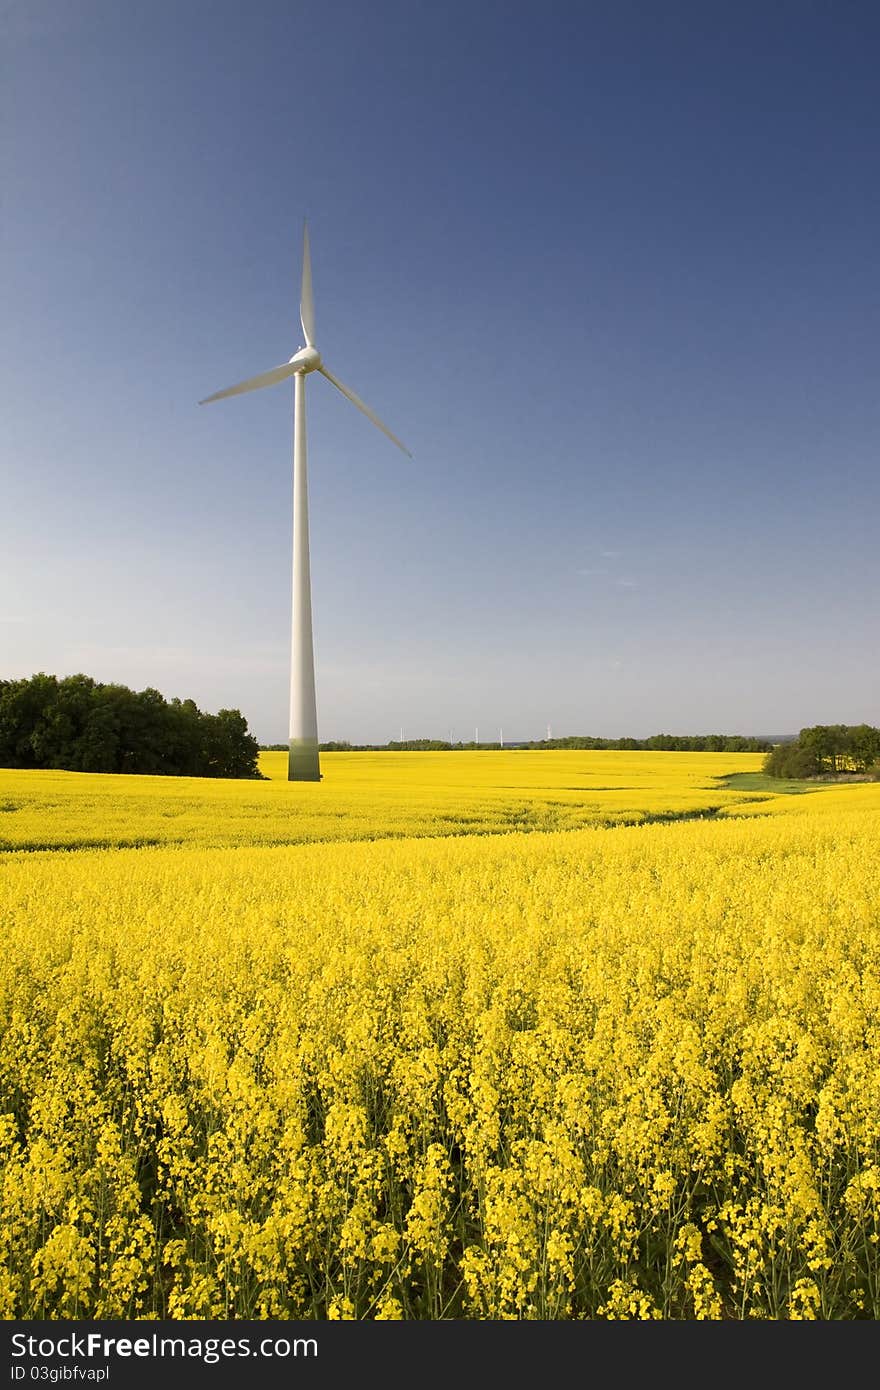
pixel 826 750
pixel 82 726
pixel 426 745
pixel 790 760
pixel 674 743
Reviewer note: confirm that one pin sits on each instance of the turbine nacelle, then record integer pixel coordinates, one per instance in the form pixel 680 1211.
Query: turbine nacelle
pixel 308 359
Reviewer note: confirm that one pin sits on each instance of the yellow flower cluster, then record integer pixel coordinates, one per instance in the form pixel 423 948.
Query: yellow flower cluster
pixel 587 1073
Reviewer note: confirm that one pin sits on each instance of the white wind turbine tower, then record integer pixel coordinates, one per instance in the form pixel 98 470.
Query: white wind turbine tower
pixel 303 763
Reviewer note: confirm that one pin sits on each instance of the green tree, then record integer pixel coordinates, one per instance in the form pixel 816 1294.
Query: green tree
pixel 230 751
pixel 83 726
pixel 792 760
pixel 864 746
pixel 24 706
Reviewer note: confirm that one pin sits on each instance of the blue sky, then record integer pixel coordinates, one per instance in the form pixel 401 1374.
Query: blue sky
pixel 611 272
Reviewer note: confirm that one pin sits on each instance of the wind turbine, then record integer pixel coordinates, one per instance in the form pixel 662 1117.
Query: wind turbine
pixel 303 763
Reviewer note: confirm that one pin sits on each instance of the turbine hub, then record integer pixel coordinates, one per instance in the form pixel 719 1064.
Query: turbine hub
pixel 308 359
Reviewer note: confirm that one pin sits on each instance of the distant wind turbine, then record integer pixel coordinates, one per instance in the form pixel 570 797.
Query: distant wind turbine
pixel 303 762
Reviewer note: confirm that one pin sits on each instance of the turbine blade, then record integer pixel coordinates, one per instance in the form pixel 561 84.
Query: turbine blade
pixel 253 383
pixel 356 400
pixel 306 299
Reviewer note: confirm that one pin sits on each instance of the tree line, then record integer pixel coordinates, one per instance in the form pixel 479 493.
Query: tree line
pixel 673 743
pixel 827 750
pixel 686 743
pixel 81 725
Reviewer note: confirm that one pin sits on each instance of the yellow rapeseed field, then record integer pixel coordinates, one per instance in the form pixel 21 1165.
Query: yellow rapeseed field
pixel 365 796
pixel 478 1035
